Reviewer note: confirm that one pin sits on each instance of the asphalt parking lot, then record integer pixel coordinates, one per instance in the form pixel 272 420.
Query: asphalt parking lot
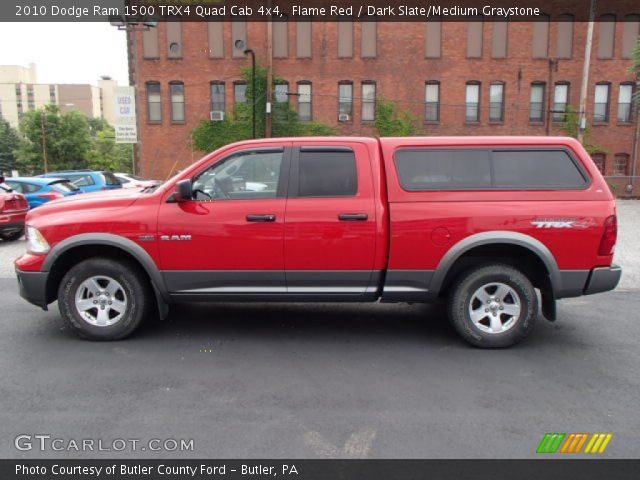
pixel 324 381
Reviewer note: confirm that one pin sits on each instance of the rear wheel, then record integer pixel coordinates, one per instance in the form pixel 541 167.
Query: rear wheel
pixel 103 299
pixel 10 237
pixel 493 306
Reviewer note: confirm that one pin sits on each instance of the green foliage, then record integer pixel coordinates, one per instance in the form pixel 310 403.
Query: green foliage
pixel 571 128
pixel 67 140
pixel 9 143
pixel 72 141
pixel 105 153
pixel 635 69
pixel 238 125
pixel 390 122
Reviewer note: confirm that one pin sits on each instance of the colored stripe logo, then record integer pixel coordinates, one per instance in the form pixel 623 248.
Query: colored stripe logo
pixel 557 442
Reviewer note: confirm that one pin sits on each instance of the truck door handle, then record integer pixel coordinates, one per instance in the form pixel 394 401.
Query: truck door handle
pixel 353 217
pixel 261 218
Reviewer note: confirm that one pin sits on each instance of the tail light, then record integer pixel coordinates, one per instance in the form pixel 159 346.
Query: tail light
pixel 15 203
pixel 609 236
pixel 50 195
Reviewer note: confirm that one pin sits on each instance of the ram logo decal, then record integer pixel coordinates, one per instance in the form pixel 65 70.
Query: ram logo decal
pixel 168 238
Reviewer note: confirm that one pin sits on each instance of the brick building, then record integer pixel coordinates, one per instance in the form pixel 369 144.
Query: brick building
pixel 458 78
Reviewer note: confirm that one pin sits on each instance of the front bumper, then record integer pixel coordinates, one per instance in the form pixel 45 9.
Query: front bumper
pixel 603 279
pixel 33 287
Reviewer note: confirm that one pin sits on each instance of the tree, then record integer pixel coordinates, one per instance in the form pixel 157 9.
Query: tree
pixel 67 140
pixel 390 122
pixel 9 143
pixel 105 153
pixel 238 125
pixel 571 127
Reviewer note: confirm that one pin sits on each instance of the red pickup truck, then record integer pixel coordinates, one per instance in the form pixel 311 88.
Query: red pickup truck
pixel 482 222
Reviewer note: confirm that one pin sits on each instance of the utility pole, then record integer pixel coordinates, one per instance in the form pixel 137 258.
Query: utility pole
pixel 44 140
pixel 585 72
pixel 553 63
pixel 268 119
pixel 636 138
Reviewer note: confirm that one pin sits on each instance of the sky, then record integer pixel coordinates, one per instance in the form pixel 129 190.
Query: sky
pixel 66 52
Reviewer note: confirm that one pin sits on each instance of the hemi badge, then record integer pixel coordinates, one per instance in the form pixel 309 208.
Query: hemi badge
pixel 146 238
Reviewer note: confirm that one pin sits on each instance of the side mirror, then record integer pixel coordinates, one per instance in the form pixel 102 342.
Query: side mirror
pixel 183 191
pixel 1 178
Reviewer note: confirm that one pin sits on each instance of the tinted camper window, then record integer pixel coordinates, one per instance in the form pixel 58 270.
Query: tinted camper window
pixel 535 169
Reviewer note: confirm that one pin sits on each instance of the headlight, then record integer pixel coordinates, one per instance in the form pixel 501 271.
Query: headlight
pixel 36 243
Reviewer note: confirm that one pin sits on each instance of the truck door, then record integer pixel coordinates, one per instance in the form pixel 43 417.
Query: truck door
pixel 330 221
pixel 229 239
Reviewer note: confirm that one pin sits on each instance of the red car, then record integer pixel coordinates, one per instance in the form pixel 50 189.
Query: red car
pixel 13 211
pixel 483 222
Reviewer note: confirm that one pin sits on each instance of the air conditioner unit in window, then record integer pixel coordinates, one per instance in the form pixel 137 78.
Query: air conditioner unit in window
pixel 343 117
pixel 216 116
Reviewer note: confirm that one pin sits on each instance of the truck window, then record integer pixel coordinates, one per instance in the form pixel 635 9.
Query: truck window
pixel 536 169
pixel 244 175
pixel 429 169
pixel 327 174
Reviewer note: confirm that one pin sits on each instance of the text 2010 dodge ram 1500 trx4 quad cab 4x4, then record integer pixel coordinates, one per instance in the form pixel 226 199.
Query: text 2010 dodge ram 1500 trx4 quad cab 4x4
pixel 482 222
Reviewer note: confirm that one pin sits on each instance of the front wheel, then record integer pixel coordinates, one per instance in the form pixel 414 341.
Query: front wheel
pixel 493 306
pixel 103 299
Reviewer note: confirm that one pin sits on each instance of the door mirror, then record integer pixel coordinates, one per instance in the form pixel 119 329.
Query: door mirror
pixel 1 178
pixel 183 191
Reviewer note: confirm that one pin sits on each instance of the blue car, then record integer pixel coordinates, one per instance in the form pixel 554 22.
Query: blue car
pixel 42 190
pixel 88 180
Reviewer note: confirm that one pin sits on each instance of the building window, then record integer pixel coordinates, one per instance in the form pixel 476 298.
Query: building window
pixel 174 39
pixel 304 102
pixel 19 100
pixel 536 103
pixel 31 103
pixel 601 103
pixel 472 106
pixel 215 32
pixel 433 47
pixel 345 37
pixel 345 101
pixel 217 97
pixel 499 40
pixel 238 38
pixel 239 92
pixel 177 102
pixel 496 102
pixel 52 94
pixel 281 92
pixel 150 44
pixel 621 165
pixel 303 39
pixel 560 101
pixel 631 33
pixel 154 102
pixel 369 37
pixel 540 44
pixel 564 48
pixel 368 101
pixel 280 37
pixel 607 33
pixel 599 159
pixel 432 102
pixel 474 39
pixel 625 102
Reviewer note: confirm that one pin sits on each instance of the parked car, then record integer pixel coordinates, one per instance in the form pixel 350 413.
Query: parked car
pixel 129 180
pixel 481 222
pixel 42 190
pixel 88 180
pixel 13 211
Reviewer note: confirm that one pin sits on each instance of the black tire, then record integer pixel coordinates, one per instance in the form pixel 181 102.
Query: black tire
pixel 11 237
pixel 461 299
pixel 135 291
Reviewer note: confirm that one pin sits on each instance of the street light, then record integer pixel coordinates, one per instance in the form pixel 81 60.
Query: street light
pixel 239 44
